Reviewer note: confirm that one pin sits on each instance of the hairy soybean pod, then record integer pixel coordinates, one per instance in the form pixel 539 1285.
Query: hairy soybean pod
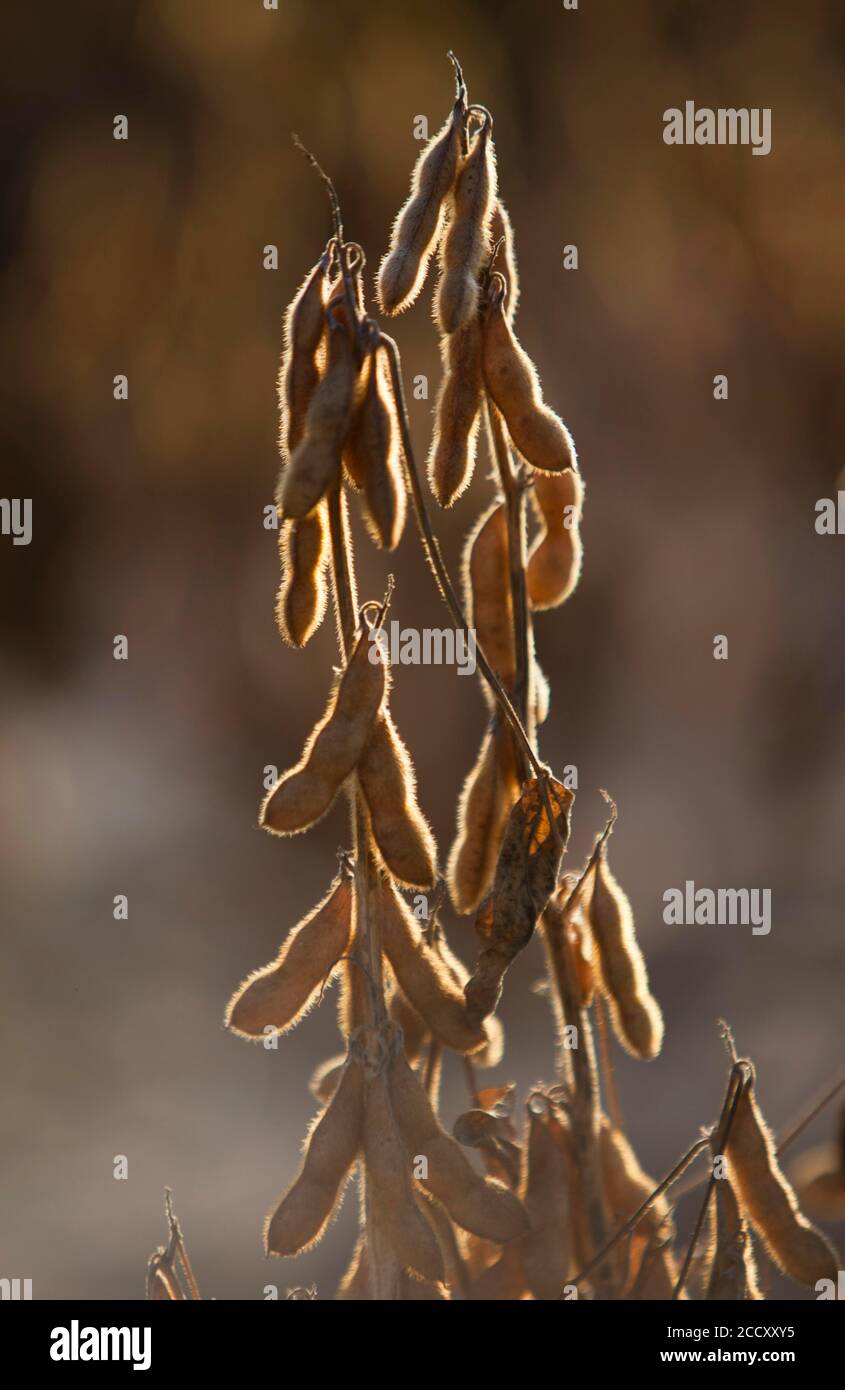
pixel 626 1188
pixel 316 461
pixel 488 794
pixel 482 1206
pixel 390 1182
pixel 331 1149
pixel 301 601
pixel 733 1274
pixel 402 835
pixel 457 413
pixel 304 794
pixel 768 1200
pixel 299 372
pixel 371 457
pixel 423 978
pixel 488 592
pixel 511 378
pixel 417 228
pixel 554 560
pixel 547 1249
pixel 279 995
pixel 501 230
pixel 635 1013
pixel 466 241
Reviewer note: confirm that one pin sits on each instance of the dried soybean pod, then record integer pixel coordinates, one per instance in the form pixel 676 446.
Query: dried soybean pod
pixel 526 874
pixel 279 995
pixel 299 372
pixel 371 457
pixel 301 601
pixel 511 379
pixel 457 413
pixel 423 978
pixel 489 792
pixel 501 230
pixel 626 1188
pixel 331 1149
pixel 479 1205
pixel 554 560
pixel 733 1274
pixel 315 463
pixel 547 1249
pixel 466 241
pixel 417 228
pixel 304 794
pixel 401 833
pixel 635 1013
pixel 392 1193
pixel 767 1199
pixel 488 592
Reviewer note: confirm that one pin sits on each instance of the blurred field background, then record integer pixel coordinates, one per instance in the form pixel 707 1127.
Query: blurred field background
pixel 143 777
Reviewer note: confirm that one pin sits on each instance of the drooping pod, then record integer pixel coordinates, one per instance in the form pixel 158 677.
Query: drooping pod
pixel 547 1249
pixel 304 794
pixel 525 877
pixel 635 1013
pixel 480 1205
pixel 423 978
pixel 467 238
pixel 389 1178
pixel 331 1149
pixel 511 379
pixel 554 560
pixel 279 995
pixel 489 792
pixel 371 456
pixel 626 1187
pixel 767 1198
pixel 299 372
pixel 315 463
pixel 457 413
pixel 417 228
pixel 301 600
pixel 501 230
pixel 488 592
pixel 733 1273
pixel 388 783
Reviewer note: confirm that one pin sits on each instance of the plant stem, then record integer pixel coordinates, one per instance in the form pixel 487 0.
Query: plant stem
pixel 513 489
pixel 367 995
pixel 578 1066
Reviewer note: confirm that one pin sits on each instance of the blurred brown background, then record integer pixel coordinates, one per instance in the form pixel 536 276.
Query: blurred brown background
pixel 143 777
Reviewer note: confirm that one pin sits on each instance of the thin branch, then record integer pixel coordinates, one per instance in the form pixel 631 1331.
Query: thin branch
pixel 689 1157
pixel 737 1082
